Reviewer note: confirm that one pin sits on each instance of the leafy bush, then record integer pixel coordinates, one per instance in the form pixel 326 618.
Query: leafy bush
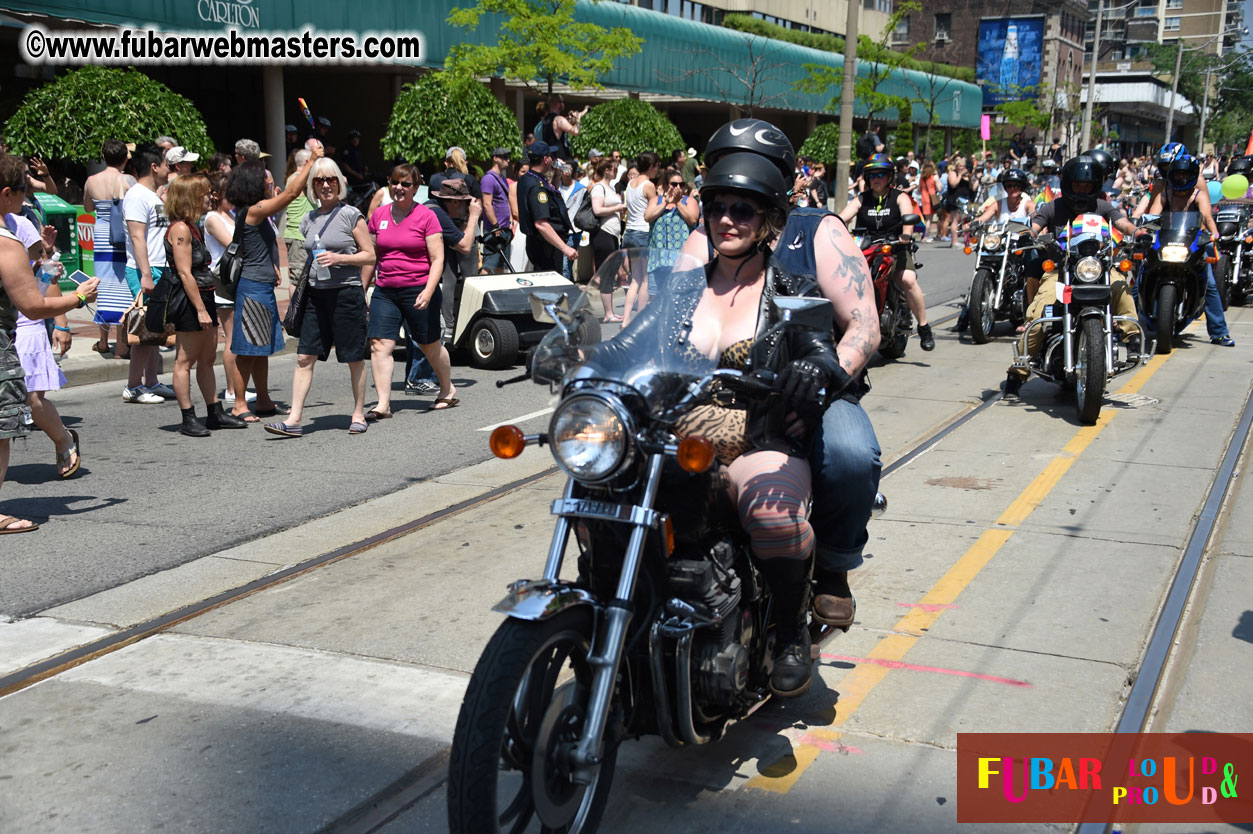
pixel 823 145
pixel 902 139
pixel 629 125
pixel 71 117
pixel 439 111
pixel 866 49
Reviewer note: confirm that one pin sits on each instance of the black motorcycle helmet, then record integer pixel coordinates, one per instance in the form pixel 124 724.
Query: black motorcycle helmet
pixel 1241 165
pixel 753 136
pixel 1082 169
pixel 1016 175
pixel 1109 167
pixel 752 175
pixel 1183 173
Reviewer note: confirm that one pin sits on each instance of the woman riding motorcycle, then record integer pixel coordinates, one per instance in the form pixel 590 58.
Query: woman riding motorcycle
pixel 721 312
pixel 1015 205
pixel 880 209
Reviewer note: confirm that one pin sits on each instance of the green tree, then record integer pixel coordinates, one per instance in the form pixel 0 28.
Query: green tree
pixel 820 79
pixel 932 88
pixel 902 139
pixel 629 125
pixel 1024 113
pixel 71 117
pixel 440 110
pixel 752 83
pixel 823 144
pixel 539 40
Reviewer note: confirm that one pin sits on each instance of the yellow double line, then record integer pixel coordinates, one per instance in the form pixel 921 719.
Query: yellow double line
pixel 853 689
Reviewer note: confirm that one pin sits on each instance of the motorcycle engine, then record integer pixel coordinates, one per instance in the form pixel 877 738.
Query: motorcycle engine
pixel 719 652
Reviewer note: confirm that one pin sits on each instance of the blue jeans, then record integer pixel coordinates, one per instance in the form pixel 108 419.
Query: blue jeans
pixel 846 468
pixel 417 368
pixel 567 265
pixel 1215 321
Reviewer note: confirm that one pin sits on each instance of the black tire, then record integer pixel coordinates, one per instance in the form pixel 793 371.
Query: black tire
pixel 982 314
pixel 494 746
pixel 1165 318
pixel 588 332
pixel 1223 279
pixel 893 342
pixel 493 343
pixel 1090 370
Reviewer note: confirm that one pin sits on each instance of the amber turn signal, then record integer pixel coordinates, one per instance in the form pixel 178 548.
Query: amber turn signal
pixel 967 249
pixel 1018 253
pixel 1124 265
pixel 886 249
pixel 1211 259
pixel 668 526
pixel 696 454
pixel 507 442
pixel 1049 266
pixel 1248 240
pixel 1138 256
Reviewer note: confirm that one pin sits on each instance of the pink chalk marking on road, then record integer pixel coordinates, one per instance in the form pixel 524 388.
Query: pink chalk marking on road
pixel 930 608
pixel 897 664
pixel 827 746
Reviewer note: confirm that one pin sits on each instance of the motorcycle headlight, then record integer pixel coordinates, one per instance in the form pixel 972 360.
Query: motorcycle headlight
pixel 1174 253
pixel 992 241
pixel 590 437
pixel 1089 270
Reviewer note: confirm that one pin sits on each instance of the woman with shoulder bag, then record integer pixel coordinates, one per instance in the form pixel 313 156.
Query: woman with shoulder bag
pixel 258 332
pixel 338 248
pixel 607 206
pixel 189 306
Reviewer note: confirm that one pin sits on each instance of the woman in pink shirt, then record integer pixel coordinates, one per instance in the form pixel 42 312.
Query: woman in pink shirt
pixel 410 249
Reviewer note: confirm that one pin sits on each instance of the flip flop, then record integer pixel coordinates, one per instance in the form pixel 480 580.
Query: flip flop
pixel 284 430
pixel 247 417
pixel 106 349
pixel 373 416
pixel 63 460
pixel 357 428
pixel 611 320
pixel 6 520
pixel 448 402
pixel 269 412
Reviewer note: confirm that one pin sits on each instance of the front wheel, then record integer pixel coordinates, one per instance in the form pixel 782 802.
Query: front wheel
pixel 522 715
pixel 895 337
pixel 1090 370
pixel 493 343
pixel 1223 279
pixel 1165 318
pixel 982 306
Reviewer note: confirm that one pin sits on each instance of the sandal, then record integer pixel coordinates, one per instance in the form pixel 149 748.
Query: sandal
pixel 284 430
pixel 373 416
pixel 63 459
pixel 611 320
pixel 247 417
pixel 269 412
pixel 105 349
pixel 357 428
pixel 6 520
pixel 445 403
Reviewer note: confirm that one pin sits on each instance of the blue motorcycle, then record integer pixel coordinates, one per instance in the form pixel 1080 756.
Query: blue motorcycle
pixel 1171 286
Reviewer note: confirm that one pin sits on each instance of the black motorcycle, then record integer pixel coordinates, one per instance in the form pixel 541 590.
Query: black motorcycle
pixel 667 628
pixel 1172 281
pixel 1234 271
pixel 998 287
pixel 885 256
pixel 1080 352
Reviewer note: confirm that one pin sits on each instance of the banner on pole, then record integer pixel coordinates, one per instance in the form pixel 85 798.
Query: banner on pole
pixel 985 128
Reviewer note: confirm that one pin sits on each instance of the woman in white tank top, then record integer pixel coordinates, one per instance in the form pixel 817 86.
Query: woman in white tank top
pixel 639 193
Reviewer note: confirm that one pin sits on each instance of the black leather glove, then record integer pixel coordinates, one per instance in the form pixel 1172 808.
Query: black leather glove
pixel 804 383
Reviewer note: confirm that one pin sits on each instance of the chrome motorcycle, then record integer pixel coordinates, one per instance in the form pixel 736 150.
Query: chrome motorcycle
pixel 1234 271
pixel 664 627
pixel 1080 352
pixel 998 287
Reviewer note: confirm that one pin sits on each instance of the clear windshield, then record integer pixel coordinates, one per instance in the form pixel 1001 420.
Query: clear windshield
pixel 1180 221
pixel 660 366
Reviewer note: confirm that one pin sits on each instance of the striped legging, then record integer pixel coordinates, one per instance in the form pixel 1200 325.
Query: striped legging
pixel 771 492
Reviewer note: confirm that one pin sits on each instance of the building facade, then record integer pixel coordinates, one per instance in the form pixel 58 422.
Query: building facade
pixel 820 16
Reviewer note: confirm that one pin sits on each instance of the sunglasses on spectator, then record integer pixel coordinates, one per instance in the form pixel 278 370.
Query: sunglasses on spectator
pixel 677 182
pixel 739 211
pixel 327 181
pixel 403 183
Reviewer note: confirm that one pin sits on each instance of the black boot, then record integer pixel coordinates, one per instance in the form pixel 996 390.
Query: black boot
pixel 789 588
pixel 191 426
pixel 963 320
pixel 219 419
pixel 925 338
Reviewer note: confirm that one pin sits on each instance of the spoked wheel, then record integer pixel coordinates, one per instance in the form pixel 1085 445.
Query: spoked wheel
pixel 982 312
pixel 1090 370
pixel 522 716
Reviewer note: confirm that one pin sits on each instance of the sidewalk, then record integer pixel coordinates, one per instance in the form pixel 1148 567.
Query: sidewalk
pixel 83 366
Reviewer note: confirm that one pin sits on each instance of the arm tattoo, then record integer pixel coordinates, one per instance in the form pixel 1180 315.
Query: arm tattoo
pixel 850 265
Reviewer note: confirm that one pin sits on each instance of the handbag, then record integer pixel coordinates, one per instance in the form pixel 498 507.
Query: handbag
pixel 294 318
pixel 135 322
pixel 117 221
pixel 230 266
pixel 585 218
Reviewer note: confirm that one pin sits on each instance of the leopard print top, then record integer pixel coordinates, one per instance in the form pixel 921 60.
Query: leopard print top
pixel 725 427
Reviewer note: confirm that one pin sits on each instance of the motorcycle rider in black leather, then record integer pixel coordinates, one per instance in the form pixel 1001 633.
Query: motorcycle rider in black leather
pixel 879 209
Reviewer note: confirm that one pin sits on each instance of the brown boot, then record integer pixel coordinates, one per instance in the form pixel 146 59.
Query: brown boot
pixel 833 599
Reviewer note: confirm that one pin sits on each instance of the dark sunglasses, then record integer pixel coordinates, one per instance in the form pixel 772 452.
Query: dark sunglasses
pixel 403 183
pixel 677 182
pixel 739 211
pixel 326 180
pixel 876 176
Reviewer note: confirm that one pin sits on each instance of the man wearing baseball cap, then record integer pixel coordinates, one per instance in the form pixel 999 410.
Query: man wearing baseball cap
pixel 542 213
pixel 497 219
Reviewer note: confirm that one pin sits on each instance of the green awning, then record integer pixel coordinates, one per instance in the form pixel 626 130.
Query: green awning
pixel 679 57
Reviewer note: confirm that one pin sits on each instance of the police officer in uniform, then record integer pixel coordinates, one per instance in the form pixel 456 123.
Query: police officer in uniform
pixel 542 212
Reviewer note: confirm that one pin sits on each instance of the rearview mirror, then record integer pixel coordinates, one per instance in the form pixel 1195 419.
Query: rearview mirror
pixel 544 303
pixel 815 313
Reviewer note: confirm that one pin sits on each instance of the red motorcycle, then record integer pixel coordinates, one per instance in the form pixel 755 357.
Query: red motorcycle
pixel 885 254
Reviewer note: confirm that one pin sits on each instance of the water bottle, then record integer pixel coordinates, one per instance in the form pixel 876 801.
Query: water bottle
pixel 320 273
pixel 50 271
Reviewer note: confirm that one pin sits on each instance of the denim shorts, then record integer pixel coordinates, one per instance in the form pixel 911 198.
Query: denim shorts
pixel 389 306
pixel 634 239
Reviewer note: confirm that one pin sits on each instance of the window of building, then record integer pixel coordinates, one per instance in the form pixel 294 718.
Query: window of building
pixel 1146 11
pixel 1173 24
pixel 901 33
pixel 1174 4
pixel 943 25
pixel 884 6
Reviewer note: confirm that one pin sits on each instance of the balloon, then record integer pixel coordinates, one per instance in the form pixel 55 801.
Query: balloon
pixel 1216 191
pixel 1235 186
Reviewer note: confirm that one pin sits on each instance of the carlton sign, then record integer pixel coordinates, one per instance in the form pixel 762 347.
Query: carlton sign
pixel 229 12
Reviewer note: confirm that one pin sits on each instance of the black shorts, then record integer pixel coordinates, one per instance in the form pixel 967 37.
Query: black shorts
pixel 334 317
pixel 188 322
pixel 544 256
